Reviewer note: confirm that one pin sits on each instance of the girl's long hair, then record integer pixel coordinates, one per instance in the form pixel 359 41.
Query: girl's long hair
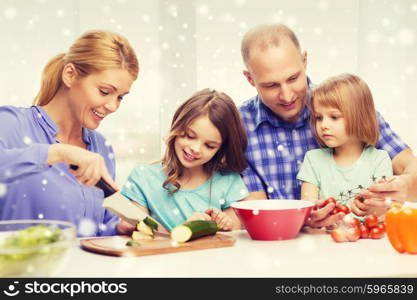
pixel 222 112
pixel 94 51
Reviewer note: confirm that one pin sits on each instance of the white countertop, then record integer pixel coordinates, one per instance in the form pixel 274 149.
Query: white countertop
pixel 309 255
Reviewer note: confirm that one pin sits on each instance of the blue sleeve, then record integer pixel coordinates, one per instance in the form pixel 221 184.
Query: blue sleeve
pixel 388 139
pixel 133 189
pixel 236 191
pixel 19 157
pixel 307 172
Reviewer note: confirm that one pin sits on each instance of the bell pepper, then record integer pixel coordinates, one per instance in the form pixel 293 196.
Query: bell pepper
pixel 401 226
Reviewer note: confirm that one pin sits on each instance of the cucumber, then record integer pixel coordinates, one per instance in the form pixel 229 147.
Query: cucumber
pixel 151 223
pixel 142 227
pixel 192 230
pixel 140 235
pixel 132 243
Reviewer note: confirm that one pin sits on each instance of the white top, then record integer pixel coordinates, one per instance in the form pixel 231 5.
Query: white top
pixel 309 255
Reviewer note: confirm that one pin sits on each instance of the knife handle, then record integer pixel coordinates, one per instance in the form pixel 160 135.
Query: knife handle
pixel 101 184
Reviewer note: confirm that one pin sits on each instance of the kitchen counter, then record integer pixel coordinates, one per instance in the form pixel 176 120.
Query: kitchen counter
pixel 309 255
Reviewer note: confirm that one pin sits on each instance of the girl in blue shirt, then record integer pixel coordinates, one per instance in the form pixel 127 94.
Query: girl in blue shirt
pixel 79 89
pixel 198 176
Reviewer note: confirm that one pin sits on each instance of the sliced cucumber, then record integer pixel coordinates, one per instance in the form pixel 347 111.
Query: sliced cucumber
pixel 192 230
pixel 140 235
pixel 144 228
pixel 151 223
pixel 132 243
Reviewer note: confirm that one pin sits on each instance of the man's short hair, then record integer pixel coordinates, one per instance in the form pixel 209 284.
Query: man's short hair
pixel 265 36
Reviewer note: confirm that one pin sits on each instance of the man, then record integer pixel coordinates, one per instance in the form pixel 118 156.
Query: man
pixel 278 129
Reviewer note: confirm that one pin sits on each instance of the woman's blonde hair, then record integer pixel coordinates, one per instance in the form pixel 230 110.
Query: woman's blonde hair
pixel 223 113
pixel 351 95
pixel 94 51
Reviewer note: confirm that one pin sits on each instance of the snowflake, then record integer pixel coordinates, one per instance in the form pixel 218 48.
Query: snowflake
pixel 40 216
pixel 102 227
pixel 44 182
pixel 221 201
pixel 60 12
pixel 255 212
pixel 86 227
pixel 323 5
pixel 66 32
pixel 111 155
pixel 176 211
pixel 3 189
pixel 280 147
pixel 146 19
pixel 27 140
pixel 270 189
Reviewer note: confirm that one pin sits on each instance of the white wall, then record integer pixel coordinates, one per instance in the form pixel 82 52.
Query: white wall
pixel 188 45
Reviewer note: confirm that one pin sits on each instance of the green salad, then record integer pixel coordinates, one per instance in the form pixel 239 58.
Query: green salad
pixel 33 250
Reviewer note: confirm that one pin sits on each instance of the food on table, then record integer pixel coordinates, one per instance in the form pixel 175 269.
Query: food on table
pixel 193 229
pixel 352 229
pixel 37 246
pixel 145 231
pixel 401 226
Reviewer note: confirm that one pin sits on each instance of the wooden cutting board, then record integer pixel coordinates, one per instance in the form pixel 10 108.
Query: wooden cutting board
pixel 116 245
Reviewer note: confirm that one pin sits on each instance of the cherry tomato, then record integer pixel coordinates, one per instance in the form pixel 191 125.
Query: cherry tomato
pixel 344 209
pixel 376 233
pixel 353 234
pixel 371 221
pixel 327 201
pixel 351 221
pixel 364 231
pixel 381 227
pixel 338 235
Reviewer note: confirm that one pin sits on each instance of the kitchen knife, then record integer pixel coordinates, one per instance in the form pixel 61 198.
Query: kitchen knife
pixel 101 184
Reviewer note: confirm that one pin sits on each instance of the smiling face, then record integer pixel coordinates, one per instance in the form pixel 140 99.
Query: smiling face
pixel 198 145
pixel 331 127
pixel 97 95
pixel 278 74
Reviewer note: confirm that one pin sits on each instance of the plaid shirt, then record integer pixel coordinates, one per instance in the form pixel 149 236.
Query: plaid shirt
pixel 276 148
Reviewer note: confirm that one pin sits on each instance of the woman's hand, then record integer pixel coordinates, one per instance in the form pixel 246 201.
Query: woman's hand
pixel 91 165
pixel 224 222
pixel 367 204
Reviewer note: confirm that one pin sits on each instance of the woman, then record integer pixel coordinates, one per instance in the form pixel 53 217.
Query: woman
pixel 37 144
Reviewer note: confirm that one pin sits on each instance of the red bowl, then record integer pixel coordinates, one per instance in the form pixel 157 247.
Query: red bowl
pixel 273 220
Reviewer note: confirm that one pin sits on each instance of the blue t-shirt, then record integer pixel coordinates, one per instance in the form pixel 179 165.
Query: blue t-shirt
pixel 144 186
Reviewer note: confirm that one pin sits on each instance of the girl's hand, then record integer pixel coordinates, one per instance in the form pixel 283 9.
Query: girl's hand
pixel 224 222
pixel 91 165
pixel 199 216
pixel 124 228
pixel 322 217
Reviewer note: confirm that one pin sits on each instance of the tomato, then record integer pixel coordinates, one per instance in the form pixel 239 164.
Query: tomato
pixel 353 234
pixel 327 201
pixel 339 235
pixel 381 227
pixel 351 221
pixel 364 231
pixel 376 233
pixel 401 227
pixel 371 221
pixel 344 209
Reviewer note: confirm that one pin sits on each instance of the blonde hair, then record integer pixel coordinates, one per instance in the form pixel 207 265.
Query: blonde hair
pixel 351 95
pixel 265 36
pixel 94 51
pixel 223 113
